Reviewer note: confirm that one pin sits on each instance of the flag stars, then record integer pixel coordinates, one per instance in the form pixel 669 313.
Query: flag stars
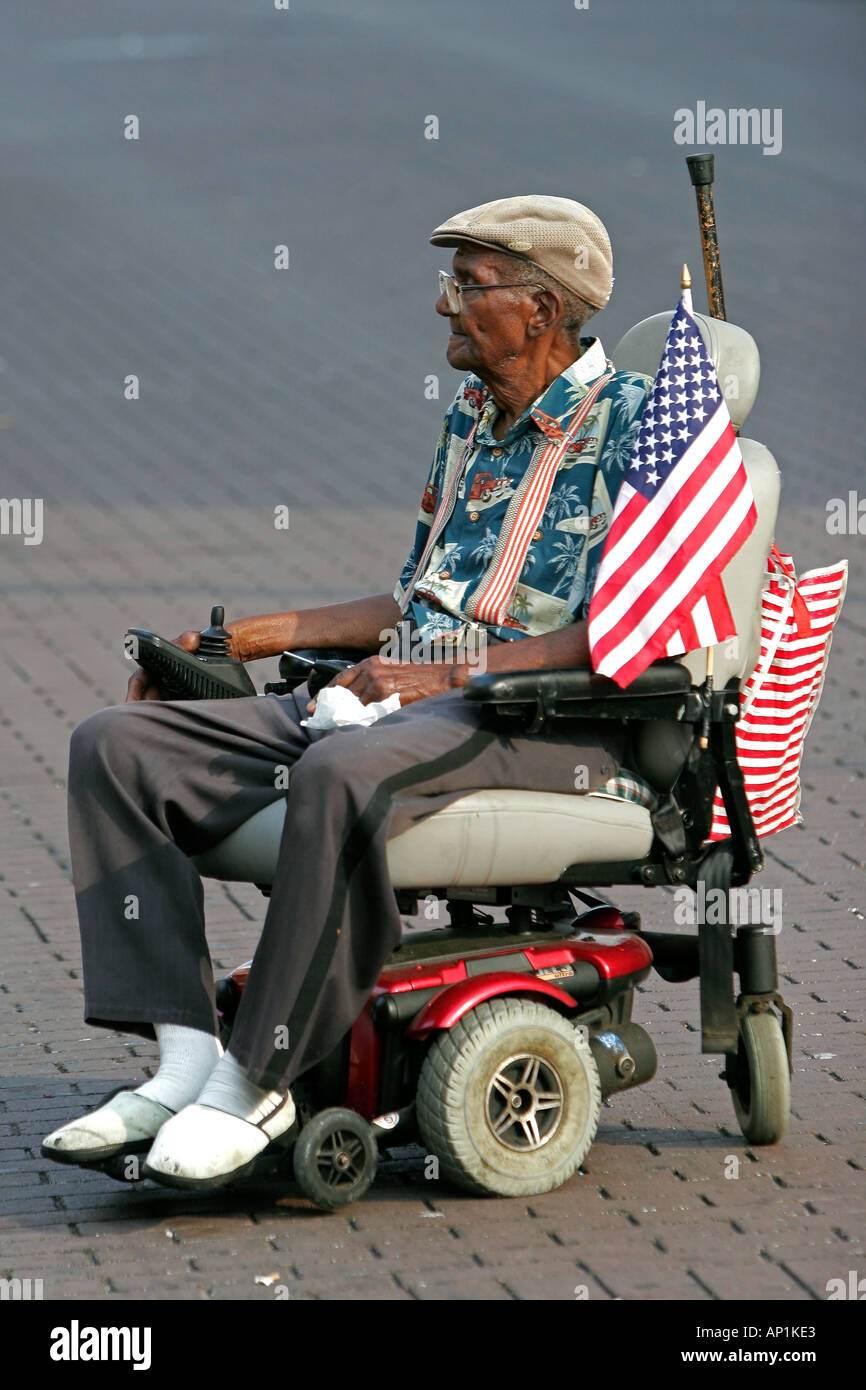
pixel 683 394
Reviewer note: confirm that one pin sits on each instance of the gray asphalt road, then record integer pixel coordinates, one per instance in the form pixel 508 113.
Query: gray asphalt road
pixel 306 387
pixel 306 128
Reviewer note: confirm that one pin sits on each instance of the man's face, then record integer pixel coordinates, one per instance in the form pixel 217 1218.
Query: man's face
pixel 490 329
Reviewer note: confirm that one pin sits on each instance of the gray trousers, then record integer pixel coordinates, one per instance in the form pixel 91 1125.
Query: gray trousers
pixel 154 782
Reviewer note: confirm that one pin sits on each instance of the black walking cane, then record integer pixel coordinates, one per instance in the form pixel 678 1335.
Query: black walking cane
pixel 701 172
pixel 702 168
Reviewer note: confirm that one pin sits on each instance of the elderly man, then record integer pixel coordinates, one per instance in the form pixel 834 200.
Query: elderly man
pixel 508 541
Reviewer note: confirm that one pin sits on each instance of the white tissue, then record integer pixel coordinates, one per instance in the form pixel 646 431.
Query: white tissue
pixel 337 707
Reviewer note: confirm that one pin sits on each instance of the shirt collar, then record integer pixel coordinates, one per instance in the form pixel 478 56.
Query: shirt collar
pixel 557 402
pixel 590 364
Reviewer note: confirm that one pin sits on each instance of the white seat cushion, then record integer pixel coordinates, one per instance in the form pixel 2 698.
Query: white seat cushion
pixel 486 839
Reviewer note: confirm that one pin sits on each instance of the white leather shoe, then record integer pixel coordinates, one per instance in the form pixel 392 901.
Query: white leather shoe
pixel 125 1124
pixel 203 1148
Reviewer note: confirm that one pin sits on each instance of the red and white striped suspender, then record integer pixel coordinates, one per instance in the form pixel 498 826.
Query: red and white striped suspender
pixel 490 601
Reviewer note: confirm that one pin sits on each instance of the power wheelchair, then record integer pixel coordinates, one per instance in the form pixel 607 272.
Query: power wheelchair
pixel 495 1043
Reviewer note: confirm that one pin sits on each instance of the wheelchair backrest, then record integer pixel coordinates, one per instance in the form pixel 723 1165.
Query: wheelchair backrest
pixel 734 355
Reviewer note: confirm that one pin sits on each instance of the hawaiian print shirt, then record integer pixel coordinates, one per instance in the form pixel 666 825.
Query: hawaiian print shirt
pixel 559 571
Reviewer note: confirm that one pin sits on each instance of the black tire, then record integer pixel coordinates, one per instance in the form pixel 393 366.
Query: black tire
pixel 463 1106
pixel 335 1158
pixel 761 1089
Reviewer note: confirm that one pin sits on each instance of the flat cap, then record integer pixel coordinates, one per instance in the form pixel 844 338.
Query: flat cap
pixel 560 236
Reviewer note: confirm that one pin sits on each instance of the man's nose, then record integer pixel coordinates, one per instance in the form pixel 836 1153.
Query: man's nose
pixel 446 313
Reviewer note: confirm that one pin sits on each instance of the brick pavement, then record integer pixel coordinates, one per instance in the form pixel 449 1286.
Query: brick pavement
pixel 156 508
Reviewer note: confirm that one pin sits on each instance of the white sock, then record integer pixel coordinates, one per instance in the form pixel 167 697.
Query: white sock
pixel 228 1089
pixel 187 1056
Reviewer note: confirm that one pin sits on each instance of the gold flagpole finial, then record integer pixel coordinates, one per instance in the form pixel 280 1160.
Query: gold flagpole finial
pixel 686 287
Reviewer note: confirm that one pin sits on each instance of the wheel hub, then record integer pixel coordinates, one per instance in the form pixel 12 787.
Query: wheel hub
pixel 524 1102
pixel 340 1159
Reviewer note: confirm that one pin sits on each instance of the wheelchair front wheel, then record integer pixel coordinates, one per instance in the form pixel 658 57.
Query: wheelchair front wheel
pixel 509 1099
pixel 760 1080
pixel 335 1158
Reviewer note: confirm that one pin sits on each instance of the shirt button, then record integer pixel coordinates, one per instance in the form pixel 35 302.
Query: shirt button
pixel 497 453
pixel 538 535
pixel 444 574
pixel 473 516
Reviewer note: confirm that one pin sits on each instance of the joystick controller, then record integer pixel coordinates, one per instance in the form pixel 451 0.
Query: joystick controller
pixel 210 673
pixel 214 641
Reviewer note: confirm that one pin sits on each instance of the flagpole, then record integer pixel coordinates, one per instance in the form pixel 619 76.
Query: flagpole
pixel 704 740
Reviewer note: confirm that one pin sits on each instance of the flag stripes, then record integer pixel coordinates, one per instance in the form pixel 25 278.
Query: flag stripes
pixel 779 700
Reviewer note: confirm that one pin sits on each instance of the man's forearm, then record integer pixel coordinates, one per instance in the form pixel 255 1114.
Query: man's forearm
pixel 354 624
pixel 566 647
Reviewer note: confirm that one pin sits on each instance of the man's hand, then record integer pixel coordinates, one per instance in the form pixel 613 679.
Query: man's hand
pixel 376 677
pixel 142 685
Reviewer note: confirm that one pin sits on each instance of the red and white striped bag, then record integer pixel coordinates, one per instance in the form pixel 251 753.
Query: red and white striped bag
pixel 781 695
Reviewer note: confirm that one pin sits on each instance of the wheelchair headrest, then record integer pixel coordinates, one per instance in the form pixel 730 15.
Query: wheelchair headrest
pixel 733 352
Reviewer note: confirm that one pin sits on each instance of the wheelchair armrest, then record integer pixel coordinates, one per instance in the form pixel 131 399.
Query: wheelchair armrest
pixel 524 687
pixel 662 692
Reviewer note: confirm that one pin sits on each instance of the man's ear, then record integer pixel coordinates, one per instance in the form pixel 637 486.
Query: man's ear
pixel 548 309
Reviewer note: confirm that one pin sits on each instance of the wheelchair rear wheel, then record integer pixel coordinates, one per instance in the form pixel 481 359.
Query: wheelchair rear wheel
pixel 509 1099
pixel 760 1079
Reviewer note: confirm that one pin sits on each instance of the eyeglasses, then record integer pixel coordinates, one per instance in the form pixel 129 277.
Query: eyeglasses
pixel 452 291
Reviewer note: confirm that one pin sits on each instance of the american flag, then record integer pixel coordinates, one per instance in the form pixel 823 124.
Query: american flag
pixel 684 509
pixel 781 695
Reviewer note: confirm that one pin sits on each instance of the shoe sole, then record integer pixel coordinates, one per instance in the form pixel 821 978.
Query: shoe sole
pixel 93 1158
pixel 199 1184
